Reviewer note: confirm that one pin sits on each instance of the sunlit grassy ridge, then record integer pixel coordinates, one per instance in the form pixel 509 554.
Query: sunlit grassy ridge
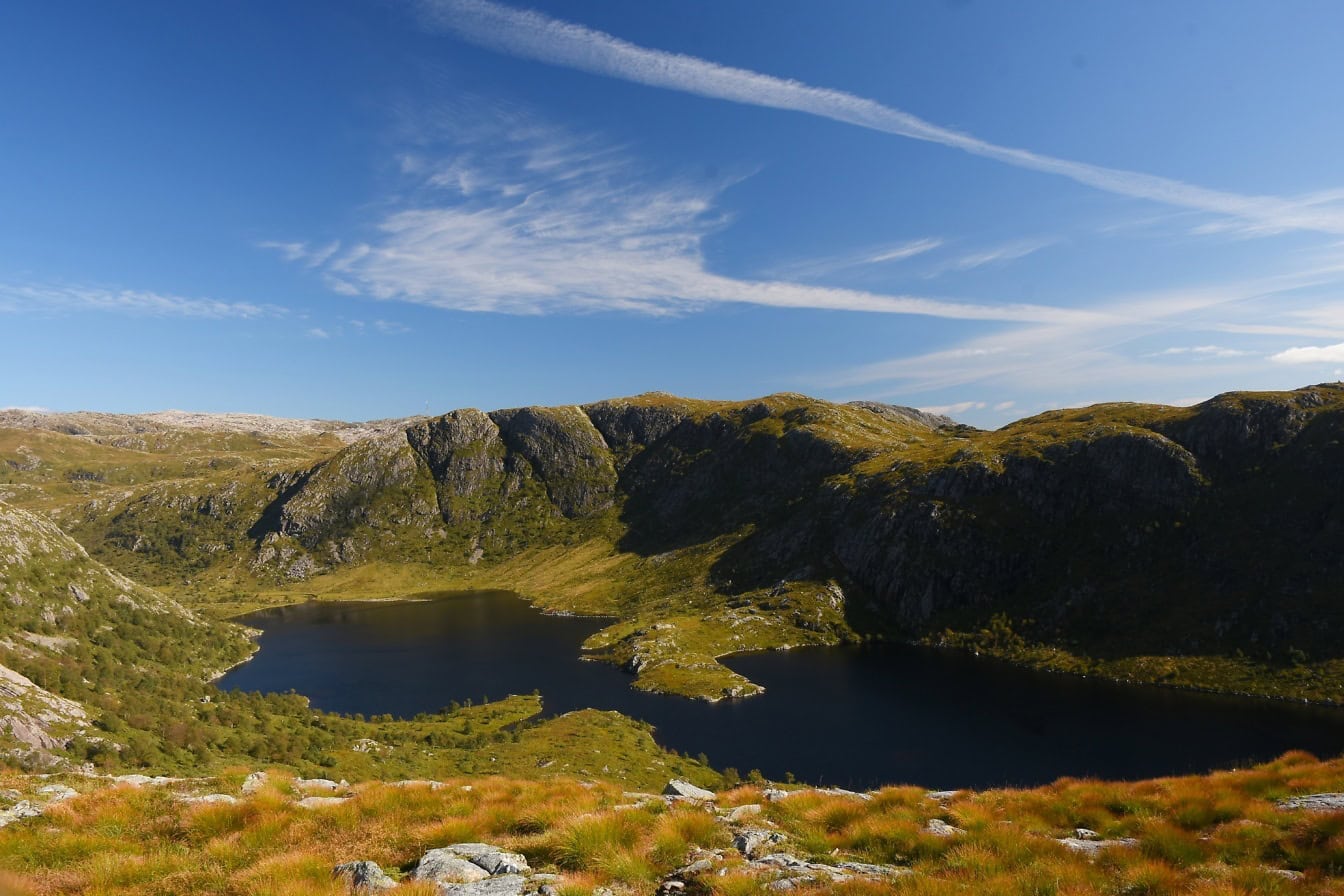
pixel 1216 834
pixel 1189 546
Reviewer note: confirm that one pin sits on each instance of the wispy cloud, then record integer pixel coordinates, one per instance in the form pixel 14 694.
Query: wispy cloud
pixel 1103 351
pixel 994 255
pixel 557 222
pixel 533 35
pixel 960 407
pixel 1311 354
pixel 1201 351
pixel 318 333
pixel 47 297
pixel 812 268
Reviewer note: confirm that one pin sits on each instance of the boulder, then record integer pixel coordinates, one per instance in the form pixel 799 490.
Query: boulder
pixel 444 866
pixel 939 828
pixel 687 791
pixel 501 885
pixel 756 842
pixel 1092 847
pixel 490 858
pixel 1314 802
pixel 364 877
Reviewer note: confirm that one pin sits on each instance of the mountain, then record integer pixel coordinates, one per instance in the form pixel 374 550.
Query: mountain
pixel 1195 546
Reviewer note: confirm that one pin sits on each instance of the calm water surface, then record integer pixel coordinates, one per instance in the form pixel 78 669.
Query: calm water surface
pixel 855 717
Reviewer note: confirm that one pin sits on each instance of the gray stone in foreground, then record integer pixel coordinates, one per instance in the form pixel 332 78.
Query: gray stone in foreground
pixel 939 828
pixel 321 802
pixel 501 885
pixel 364 877
pixel 1091 847
pixel 688 791
pixel 55 793
pixel 209 798
pixel 444 866
pixel 1314 802
pixel 490 858
pixel 756 842
pixel 19 811
pixel 840 791
pixel 254 782
pixel 741 813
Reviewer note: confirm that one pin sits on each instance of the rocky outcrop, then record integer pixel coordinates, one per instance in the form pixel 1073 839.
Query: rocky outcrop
pixel 564 451
pixel 363 877
pixel 466 456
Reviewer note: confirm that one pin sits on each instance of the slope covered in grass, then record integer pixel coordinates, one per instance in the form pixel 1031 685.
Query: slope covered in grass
pixel 1225 833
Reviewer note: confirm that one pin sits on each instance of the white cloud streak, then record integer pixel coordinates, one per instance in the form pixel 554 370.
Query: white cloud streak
pixel 994 255
pixel 960 407
pixel 532 35
pixel 1097 353
pixel 552 223
pixel 44 297
pixel 813 268
pixel 1311 354
pixel 1201 351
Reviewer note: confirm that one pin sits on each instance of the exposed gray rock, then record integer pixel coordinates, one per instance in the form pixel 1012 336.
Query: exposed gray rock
pixel 468 862
pixel 795 872
pixel 566 452
pixel 19 811
pixel 364 877
pixel 840 791
pixel 756 842
pixel 491 858
pixel 501 885
pixel 222 798
pixel 56 793
pixel 447 867
pixel 1091 847
pixel 741 813
pixel 321 802
pixel 939 828
pixel 1085 834
pixel 1314 802
pixel 688 791
pixel 254 782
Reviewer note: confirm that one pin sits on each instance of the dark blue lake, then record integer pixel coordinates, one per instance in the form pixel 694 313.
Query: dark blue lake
pixel 844 716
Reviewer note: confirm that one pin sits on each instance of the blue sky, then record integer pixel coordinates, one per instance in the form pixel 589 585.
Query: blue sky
pixel 372 209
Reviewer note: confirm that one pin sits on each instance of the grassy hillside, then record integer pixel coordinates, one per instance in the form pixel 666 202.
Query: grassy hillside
pixel 101 671
pixel 1191 546
pixel 1224 834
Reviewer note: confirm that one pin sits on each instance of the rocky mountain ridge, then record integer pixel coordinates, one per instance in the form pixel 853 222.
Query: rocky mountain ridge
pixel 1151 537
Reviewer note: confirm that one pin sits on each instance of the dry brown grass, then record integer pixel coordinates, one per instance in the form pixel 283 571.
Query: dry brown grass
pixel 1216 835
